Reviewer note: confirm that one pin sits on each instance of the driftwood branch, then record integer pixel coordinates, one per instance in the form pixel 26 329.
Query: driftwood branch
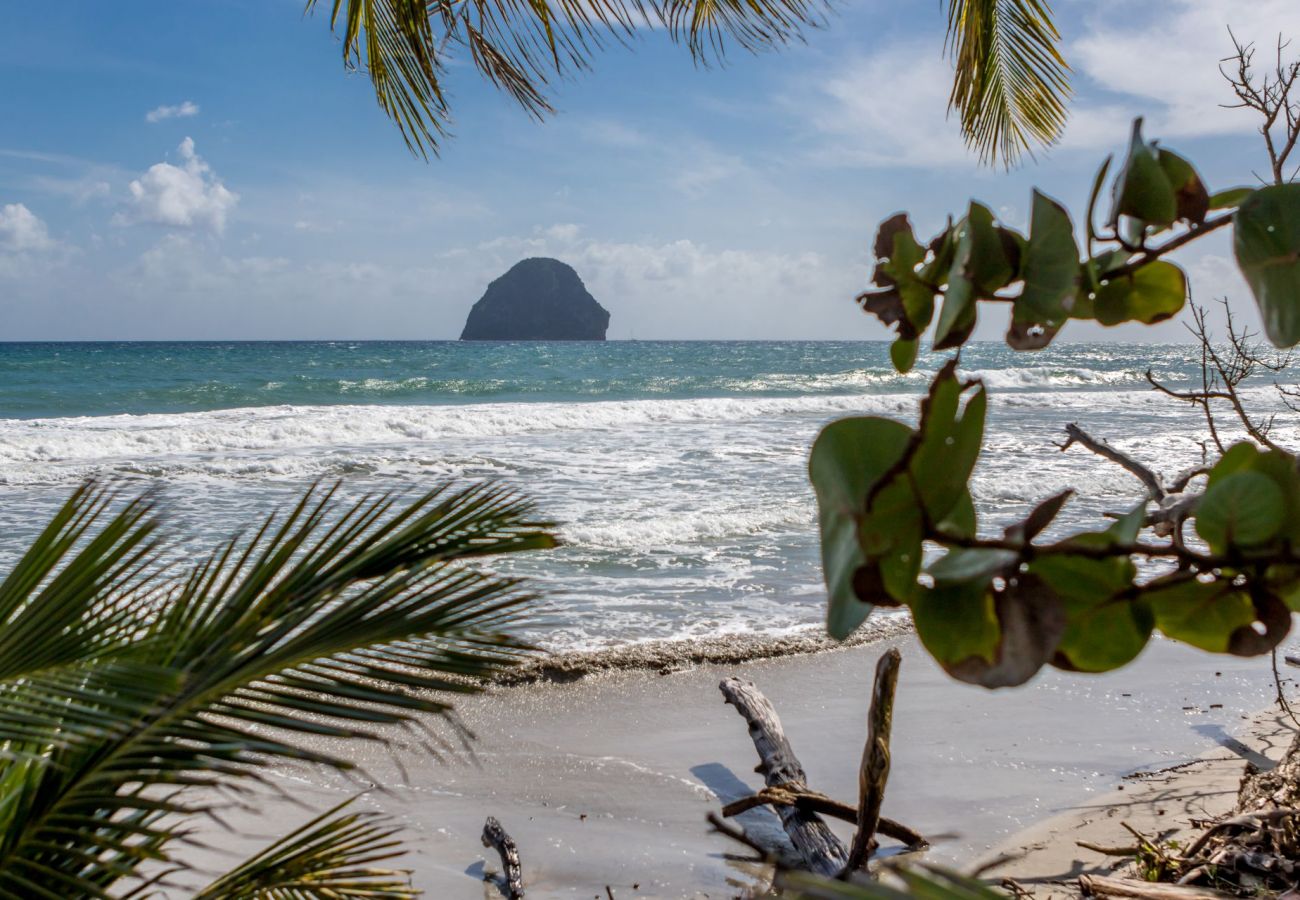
pixel 812 801
pixel 874 772
pixel 1077 435
pixel 1102 886
pixel 513 874
pixel 821 851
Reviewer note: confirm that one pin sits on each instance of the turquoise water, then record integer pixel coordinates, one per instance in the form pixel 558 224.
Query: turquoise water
pixel 677 469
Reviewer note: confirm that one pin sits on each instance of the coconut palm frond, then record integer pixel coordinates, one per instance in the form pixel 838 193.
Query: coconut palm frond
pixel 333 621
pixel 334 856
pixel 75 595
pixel 1011 84
pixel 521 46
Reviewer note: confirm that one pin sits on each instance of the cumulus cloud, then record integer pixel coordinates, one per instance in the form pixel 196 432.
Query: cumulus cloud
pixel 22 231
pixel 186 196
pixel 1169 64
pixel 27 250
pixel 179 111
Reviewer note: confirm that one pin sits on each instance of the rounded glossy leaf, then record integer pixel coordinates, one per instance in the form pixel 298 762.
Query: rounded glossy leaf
pixel 1142 189
pixel 1267 244
pixel 1152 294
pixel 848 457
pixel 1205 615
pixel 1245 509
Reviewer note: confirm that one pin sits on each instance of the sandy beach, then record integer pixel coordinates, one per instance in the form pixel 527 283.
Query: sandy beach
pixel 606 781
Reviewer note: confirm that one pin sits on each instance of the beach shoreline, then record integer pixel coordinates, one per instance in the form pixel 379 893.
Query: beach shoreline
pixel 606 780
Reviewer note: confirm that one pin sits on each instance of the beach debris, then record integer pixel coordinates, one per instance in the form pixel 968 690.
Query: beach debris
pixel 494 836
pixel 821 851
pixel 800 808
pixel 874 772
pixel 1105 886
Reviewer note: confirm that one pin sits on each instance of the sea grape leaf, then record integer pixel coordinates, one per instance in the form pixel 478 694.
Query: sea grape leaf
pixel 903 298
pixel 1030 623
pixel 1106 628
pixel 847 459
pixel 1232 197
pixel 1191 199
pixel 1103 636
pixel 951 438
pixel 1204 614
pixel 957 623
pixel 1040 517
pixel 990 264
pixel 902 353
pixel 1051 275
pixel 969 564
pixel 1142 190
pixel 1243 509
pixel 890 535
pixel 957 315
pixel 981 266
pixel 1267 244
pixel 1151 294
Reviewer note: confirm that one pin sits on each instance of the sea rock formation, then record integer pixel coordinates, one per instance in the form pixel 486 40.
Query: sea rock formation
pixel 539 299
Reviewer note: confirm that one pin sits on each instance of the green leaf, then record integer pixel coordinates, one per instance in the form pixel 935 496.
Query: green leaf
pixel 848 458
pixel 1267 244
pixel 981 266
pixel 1205 615
pixel 977 564
pixel 1231 198
pixel 904 300
pixel 333 855
pixel 1241 510
pixel 1011 82
pixel 957 624
pixel 951 439
pixel 1051 275
pixel 902 353
pixel 1153 293
pixel 1192 200
pixel 1142 190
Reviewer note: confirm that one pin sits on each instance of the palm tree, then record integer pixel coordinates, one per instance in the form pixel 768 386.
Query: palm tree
pixel 131 688
pixel 1010 86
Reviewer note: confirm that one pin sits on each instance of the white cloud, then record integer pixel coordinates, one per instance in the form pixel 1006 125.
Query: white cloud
pixel 22 231
pixel 682 288
pixel 180 111
pixel 1167 62
pixel 886 109
pixel 186 196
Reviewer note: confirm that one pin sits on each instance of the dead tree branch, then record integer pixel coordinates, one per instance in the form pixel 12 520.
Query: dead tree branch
pixel 494 836
pixel 821 850
pixel 874 772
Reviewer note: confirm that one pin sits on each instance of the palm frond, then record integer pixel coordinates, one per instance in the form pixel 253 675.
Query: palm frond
pixel 77 595
pixel 333 857
pixel 332 621
pixel 1011 83
pixel 522 46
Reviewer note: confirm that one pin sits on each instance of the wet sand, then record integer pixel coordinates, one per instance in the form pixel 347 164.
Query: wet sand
pixel 607 780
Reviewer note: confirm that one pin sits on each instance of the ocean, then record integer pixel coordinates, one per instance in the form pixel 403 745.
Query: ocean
pixel 676 469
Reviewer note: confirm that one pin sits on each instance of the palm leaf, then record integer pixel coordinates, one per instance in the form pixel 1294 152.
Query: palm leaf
pixel 521 46
pixel 1011 84
pixel 332 857
pixel 332 620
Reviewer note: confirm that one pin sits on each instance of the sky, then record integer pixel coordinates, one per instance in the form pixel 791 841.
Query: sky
pixel 208 170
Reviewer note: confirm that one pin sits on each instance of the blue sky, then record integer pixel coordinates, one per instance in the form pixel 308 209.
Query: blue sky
pixel 208 170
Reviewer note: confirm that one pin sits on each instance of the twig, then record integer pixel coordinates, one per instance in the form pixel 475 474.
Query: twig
pixel 1077 435
pixel 874 771
pixel 495 836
